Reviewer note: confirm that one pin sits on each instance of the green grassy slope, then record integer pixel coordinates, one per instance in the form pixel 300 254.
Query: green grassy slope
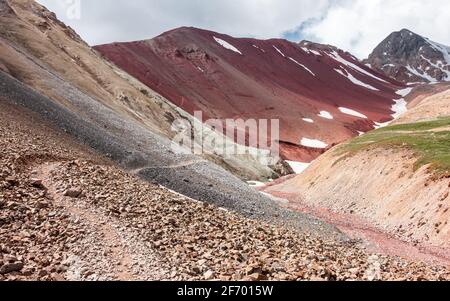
pixel 430 141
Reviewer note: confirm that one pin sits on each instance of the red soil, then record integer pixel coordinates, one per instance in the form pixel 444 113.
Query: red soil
pixel 375 239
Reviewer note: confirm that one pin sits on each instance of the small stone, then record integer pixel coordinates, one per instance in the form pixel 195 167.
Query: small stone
pixel 86 272
pixel 42 273
pixel 257 277
pixel 10 258
pixel 209 275
pixel 12 181
pixel 37 183
pixel 41 205
pixel 58 277
pixel 11 267
pixel 73 192
pixel 225 278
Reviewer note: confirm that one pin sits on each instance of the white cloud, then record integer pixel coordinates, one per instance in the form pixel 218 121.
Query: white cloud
pixel 104 21
pixel 353 25
pixel 359 25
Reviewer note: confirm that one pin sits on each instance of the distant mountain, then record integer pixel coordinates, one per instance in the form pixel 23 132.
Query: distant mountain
pixel 321 94
pixel 410 58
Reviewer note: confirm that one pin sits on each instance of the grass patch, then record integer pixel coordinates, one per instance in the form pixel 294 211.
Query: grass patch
pixel 430 141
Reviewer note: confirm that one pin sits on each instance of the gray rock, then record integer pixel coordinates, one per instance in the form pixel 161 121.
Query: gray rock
pixel 73 192
pixel 11 267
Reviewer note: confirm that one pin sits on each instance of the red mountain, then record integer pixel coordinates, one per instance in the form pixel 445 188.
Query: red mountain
pixel 322 95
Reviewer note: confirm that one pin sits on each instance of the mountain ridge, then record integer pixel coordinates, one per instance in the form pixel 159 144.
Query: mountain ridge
pixel 411 58
pixel 227 77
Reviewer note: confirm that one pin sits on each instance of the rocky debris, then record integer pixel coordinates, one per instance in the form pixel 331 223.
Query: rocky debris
pixel 202 242
pixel 125 228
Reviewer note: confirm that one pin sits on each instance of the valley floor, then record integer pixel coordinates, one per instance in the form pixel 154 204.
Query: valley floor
pixel 372 237
pixel 69 214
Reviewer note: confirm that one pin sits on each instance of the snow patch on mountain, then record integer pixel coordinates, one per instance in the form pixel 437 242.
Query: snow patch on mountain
pixel 257 47
pixel 298 167
pixel 315 52
pixel 313 143
pixel 227 45
pixel 438 65
pixel 352 112
pixel 341 60
pixel 379 125
pixel 422 74
pixel 400 108
pixel 279 51
pixel 445 50
pixel 309 120
pixel 355 80
pixel 326 115
pixel 256 184
pixel 303 66
pixel 404 92
pixel 305 49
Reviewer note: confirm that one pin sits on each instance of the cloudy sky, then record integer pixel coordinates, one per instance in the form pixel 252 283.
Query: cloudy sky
pixel 353 25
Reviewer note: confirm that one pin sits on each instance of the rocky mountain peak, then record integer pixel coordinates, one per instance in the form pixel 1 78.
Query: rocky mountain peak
pixel 411 58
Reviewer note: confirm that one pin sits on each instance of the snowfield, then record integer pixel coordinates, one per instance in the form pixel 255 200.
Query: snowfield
pixel 309 120
pixel 313 143
pixel 227 45
pixel 352 112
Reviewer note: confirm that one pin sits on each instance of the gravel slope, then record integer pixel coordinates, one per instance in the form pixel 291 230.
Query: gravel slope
pixel 68 214
pixel 135 147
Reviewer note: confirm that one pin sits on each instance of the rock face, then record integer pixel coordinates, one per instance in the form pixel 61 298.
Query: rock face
pixel 411 58
pixel 303 85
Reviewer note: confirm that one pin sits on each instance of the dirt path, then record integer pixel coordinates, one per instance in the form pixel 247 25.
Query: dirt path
pixel 111 239
pixel 375 240
pixel 171 166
